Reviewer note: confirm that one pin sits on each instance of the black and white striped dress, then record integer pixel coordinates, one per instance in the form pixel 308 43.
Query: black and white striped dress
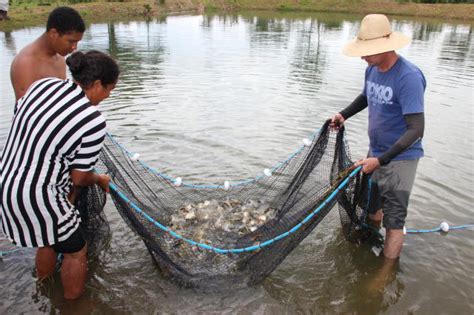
pixel 54 130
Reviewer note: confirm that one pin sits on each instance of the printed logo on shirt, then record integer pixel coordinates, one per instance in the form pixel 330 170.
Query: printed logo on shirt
pixel 379 94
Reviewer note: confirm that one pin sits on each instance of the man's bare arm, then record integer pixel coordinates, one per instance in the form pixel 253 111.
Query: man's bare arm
pixel 22 75
pixel 25 70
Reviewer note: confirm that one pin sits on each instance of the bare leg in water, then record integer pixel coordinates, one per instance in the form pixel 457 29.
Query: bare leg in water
pixel 375 219
pixel 45 262
pixel 392 249
pixel 74 273
pixel 384 276
pixel 73 270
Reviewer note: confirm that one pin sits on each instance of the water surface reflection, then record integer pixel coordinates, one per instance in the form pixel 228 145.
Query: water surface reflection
pixel 213 98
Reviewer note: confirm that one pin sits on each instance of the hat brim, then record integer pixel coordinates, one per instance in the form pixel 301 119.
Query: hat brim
pixel 360 48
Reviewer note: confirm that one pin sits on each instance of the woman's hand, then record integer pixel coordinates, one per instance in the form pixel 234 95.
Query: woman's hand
pixel 103 181
pixel 90 178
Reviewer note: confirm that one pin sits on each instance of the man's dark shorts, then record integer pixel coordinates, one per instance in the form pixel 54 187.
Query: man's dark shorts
pixel 390 191
pixel 73 244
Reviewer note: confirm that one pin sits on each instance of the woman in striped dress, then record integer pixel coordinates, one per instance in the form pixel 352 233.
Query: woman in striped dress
pixel 53 143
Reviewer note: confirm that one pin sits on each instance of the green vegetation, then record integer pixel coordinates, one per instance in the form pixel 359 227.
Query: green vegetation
pixel 436 1
pixel 25 13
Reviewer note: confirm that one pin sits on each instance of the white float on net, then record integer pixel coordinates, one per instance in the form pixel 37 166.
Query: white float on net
pixel 307 142
pixel 444 226
pixel 226 185
pixel 267 172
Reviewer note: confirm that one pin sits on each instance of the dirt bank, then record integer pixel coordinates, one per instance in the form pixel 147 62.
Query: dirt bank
pixel 26 15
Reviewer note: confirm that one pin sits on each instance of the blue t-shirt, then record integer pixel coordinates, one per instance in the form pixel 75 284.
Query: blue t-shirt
pixel 390 95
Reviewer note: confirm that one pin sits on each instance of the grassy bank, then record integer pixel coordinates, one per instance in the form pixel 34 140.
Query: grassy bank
pixel 34 12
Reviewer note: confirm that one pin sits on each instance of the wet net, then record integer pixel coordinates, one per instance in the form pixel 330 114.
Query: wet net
pixel 236 233
pixel 90 202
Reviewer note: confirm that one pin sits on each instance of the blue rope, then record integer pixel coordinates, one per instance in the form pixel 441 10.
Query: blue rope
pixel 5 252
pixel 459 227
pixel 244 249
pixel 255 247
pixel 234 184
pixel 410 231
pixel 369 193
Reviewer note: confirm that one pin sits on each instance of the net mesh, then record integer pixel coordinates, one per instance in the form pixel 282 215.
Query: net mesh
pixel 90 202
pixel 290 194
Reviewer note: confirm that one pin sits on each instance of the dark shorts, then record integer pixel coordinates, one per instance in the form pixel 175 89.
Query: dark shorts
pixel 390 191
pixel 73 244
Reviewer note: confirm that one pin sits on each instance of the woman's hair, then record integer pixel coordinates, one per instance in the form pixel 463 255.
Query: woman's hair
pixel 91 66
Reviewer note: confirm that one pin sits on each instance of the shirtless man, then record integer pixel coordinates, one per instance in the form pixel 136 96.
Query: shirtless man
pixel 44 57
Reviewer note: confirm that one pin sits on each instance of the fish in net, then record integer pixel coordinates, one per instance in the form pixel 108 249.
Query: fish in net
pixel 236 234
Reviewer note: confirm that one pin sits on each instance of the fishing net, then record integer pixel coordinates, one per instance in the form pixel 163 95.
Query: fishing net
pixel 236 233
pixel 90 202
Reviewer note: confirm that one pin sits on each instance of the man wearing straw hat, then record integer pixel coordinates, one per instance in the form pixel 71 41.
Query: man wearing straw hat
pixel 393 92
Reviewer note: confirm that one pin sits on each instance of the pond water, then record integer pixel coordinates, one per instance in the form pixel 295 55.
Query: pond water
pixel 211 98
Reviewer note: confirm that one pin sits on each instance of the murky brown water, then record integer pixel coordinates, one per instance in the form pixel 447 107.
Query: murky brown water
pixel 214 98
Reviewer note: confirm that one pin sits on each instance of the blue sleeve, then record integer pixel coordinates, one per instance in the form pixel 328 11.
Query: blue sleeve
pixel 412 89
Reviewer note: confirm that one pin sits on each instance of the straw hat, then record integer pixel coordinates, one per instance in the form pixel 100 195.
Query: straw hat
pixel 375 37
